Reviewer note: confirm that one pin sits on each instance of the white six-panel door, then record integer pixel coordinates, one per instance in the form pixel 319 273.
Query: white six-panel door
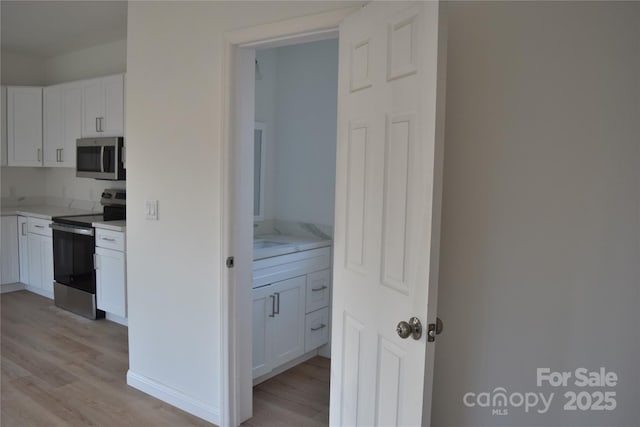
pixel 387 212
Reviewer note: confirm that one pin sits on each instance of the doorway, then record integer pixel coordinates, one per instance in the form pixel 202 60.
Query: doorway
pixel 255 143
pixel 294 174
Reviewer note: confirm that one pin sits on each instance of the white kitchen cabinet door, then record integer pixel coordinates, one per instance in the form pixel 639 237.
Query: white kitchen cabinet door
pixel 24 126
pixel 111 291
pixel 92 107
pixel 113 118
pixel 9 256
pixel 23 249
pixel 41 264
pixel 35 261
pixel 286 329
pixel 46 250
pixel 62 124
pixel 52 125
pixel 103 106
pixel 3 126
pixel 72 122
pixel 263 312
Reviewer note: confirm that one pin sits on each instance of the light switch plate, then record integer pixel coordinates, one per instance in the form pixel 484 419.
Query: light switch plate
pixel 151 209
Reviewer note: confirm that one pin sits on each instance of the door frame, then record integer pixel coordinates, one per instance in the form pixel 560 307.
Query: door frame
pixel 236 383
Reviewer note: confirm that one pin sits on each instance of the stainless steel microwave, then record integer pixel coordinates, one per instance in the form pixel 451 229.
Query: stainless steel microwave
pixel 100 158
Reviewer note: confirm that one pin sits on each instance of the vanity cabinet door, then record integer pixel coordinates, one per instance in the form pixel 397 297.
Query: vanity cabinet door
pixel 278 324
pixel 288 325
pixel 262 312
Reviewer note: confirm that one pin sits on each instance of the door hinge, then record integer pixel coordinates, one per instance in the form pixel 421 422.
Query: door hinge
pixel 230 262
pixel 434 329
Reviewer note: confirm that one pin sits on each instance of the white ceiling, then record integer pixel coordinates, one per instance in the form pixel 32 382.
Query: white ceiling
pixel 50 28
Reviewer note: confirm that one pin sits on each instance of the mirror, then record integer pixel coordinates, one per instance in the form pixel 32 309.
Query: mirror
pixel 259 155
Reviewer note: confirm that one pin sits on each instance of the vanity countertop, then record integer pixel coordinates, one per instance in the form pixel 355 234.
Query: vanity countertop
pixel 270 245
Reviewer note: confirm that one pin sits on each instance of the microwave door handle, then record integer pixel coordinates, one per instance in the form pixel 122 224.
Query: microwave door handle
pixel 102 158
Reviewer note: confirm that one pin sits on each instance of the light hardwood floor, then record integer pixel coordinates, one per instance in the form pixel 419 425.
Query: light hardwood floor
pixel 297 397
pixel 58 369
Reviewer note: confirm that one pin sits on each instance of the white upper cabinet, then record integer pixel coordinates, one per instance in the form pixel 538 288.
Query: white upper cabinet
pixel 24 126
pixel 103 106
pixel 62 115
pixel 3 126
pixel 52 124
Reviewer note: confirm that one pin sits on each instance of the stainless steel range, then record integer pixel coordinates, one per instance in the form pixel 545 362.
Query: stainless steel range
pixel 74 288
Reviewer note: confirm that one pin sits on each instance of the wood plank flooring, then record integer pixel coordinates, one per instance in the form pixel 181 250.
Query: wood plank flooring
pixel 58 369
pixel 297 397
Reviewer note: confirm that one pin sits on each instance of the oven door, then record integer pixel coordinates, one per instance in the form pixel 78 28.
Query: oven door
pixel 73 249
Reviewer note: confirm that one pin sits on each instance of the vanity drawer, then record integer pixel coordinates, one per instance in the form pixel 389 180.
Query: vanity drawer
pixel 318 290
pixel 282 267
pixel 110 239
pixel 39 226
pixel 316 329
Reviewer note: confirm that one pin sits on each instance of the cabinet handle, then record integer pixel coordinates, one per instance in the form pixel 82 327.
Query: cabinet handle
pixel 321 288
pixel 39 226
pixel 97 127
pixel 24 228
pixel 108 239
pixel 39 154
pixel 101 119
pixel 322 326
pixel 273 306
pixel 277 294
pixel 95 261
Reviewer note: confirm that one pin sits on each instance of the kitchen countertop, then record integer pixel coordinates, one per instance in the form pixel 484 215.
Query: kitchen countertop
pixel 271 245
pixel 111 225
pixel 43 211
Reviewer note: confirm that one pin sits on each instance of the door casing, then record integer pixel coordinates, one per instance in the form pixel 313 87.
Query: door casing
pixel 238 101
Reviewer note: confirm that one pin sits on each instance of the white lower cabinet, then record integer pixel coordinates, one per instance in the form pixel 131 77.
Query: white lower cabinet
pixel 111 278
pixel 287 327
pixel 23 249
pixel 110 281
pixel 40 264
pixel 290 316
pixel 278 324
pixel 10 263
pixel 316 329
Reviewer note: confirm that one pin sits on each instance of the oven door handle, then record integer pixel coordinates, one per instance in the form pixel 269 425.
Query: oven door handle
pixel 85 231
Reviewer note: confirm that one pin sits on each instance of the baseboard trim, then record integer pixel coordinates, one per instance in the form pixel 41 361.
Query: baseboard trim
pixel 117 319
pixel 11 287
pixel 280 369
pixel 39 291
pixel 173 397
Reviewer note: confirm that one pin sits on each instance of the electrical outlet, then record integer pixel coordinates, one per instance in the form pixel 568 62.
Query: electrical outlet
pixel 151 209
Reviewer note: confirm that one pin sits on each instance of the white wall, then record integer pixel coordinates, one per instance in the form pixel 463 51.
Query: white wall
pixel 21 70
pixel 299 106
pixel 540 261
pixel 22 182
pixel 96 61
pixel 306 126
pixel 174 101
